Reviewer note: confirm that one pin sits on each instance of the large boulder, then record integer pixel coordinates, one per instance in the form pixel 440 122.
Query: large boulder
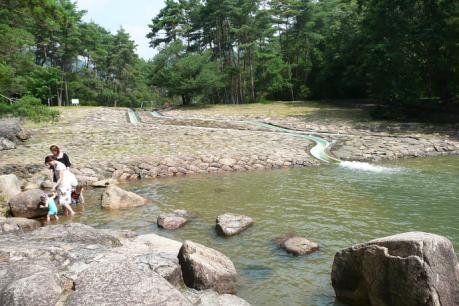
pixel 206 268
pixel 232 224
pixel 9 186
pixel 123 283
pixel 34 283
pixel 17 225
pixel 26 204
pixel 408 269
pixel 116 198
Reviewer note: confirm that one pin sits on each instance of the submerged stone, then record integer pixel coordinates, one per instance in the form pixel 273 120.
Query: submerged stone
pixel 232 224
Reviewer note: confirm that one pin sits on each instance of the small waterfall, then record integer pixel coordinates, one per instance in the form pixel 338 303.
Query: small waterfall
pixel 362 166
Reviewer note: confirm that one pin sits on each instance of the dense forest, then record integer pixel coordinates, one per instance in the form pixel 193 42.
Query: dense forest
pixel 48 52
pixel 238 51
pixel 398 52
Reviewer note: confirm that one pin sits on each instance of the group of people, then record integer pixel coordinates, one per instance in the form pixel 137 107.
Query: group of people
pixel 65 187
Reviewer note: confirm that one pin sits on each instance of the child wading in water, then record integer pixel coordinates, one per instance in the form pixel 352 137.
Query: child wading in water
pixel 48 202
pixel 77 196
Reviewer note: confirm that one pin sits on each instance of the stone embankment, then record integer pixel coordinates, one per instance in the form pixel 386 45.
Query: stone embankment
pixel 102 144
pixel 361 140
pixel 74 264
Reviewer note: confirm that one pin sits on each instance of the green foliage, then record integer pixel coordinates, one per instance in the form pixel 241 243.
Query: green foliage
pixel 31 108
pixel 395 52
pixel 47 51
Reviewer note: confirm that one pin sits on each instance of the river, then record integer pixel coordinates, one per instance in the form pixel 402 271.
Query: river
pixel 334 205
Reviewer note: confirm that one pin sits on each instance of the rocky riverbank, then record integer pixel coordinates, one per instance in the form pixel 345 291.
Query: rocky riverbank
pixel 74 264
pixel 102 144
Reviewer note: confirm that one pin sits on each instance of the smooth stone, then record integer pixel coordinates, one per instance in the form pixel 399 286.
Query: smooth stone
pixel 29 283
pixel 123 283
pixel 299 246
pixel 10 186
pixel 232 224
pixel 409 269
pixel 26 204
pixel 206 268
pixel 171 221
pixel 116 198
pixel 212 298
pixel 17 225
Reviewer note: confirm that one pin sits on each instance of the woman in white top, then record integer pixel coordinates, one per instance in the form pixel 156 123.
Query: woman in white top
pixel 65 182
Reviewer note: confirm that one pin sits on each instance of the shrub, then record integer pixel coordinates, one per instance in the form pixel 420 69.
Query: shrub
pixel 31 108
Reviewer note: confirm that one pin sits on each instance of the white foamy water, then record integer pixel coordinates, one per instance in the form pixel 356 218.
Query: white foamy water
pixel 355 165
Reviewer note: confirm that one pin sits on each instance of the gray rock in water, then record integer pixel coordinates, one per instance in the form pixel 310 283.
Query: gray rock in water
pixel 297 245
pixel 123 283
pixel 17 225
pixel 24 283
pixel 6 144
pixel 408 269
pixel 116 198
pixel 232 224
pixel 212 298
pixel 174 220
pixel 10 186
pixel 26 204
pixel 206 268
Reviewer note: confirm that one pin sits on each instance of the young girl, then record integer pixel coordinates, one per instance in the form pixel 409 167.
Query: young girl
pixel 48 202
pixel 66 181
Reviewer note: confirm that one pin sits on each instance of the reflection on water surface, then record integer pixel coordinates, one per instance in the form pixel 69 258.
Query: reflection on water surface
pixel 334 206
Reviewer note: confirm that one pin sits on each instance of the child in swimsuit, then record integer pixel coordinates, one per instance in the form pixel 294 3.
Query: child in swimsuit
pixel 76 195
pixel 48 202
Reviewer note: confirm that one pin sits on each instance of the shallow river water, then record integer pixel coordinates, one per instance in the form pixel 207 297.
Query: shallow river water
pixel 336 206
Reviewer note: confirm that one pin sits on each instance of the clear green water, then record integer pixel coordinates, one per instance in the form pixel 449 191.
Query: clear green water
pixel 332 205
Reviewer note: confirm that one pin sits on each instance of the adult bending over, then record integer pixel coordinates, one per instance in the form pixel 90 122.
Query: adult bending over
pixel 60 157
pixel 65 181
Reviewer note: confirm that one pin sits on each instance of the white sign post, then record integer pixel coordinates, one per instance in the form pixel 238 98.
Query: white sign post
pixel 75 102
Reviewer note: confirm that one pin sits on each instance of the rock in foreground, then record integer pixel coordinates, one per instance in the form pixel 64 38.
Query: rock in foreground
pixel 298 245
pixel 232 224
pixel 17 225
pixel 408 269
pixel 26 204
pixel 123 283
pixel 206 268
pixel 75 264
pixel 116 198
